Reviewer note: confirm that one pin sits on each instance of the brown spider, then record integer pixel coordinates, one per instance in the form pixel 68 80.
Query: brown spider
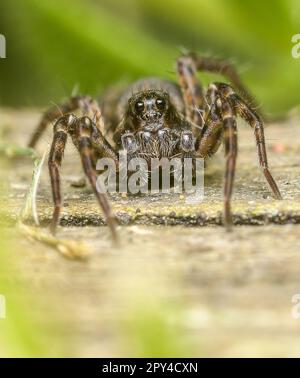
pixel 157 118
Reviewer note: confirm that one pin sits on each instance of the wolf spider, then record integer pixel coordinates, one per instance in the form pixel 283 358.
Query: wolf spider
pixel 157 118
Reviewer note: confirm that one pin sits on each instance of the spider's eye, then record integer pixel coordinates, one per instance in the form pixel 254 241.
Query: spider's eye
pixel 160 103
pixel 139 106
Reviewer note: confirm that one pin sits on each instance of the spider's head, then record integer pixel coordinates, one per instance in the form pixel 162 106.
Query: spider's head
pixel 149 108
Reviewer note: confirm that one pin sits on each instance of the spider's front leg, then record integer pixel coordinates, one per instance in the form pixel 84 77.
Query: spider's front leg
pixel 61 130
pixel 187 67
pixel 129 143
pixel 254 120
pixel 84 131
pixel 187 141
pixel 220 120
pixel 85 135
pixel 86 104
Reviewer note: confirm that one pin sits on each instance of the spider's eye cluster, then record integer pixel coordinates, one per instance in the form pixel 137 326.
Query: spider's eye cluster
pixel 160 103
pixel 139 106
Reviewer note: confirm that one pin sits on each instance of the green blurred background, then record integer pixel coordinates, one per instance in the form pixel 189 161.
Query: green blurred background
pixel 56 45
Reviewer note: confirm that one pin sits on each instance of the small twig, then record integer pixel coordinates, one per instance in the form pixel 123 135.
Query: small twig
pixel 30 202
pixel 68 248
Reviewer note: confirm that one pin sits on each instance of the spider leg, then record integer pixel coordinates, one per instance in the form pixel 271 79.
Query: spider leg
pixel 226 69
pixel 255 121
pixel 101 146
pixel 220 121
pixel 191 88
pixel 85 103
pixel 209 139
pixel 230 139
pixel 84 132
pixel 61 129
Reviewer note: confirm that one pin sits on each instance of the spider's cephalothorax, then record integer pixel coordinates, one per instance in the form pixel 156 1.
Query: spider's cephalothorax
pixel 153 128
pixel 149 110
pixel 155 118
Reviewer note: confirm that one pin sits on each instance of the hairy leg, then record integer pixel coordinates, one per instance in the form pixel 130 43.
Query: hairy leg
pixel 86 104
pixel 191 89
pixel 61 130
pixel 227 69
pixel 209 139
pixel 255 121
pixel 231 148
pixel 220 121
pixel 82 130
